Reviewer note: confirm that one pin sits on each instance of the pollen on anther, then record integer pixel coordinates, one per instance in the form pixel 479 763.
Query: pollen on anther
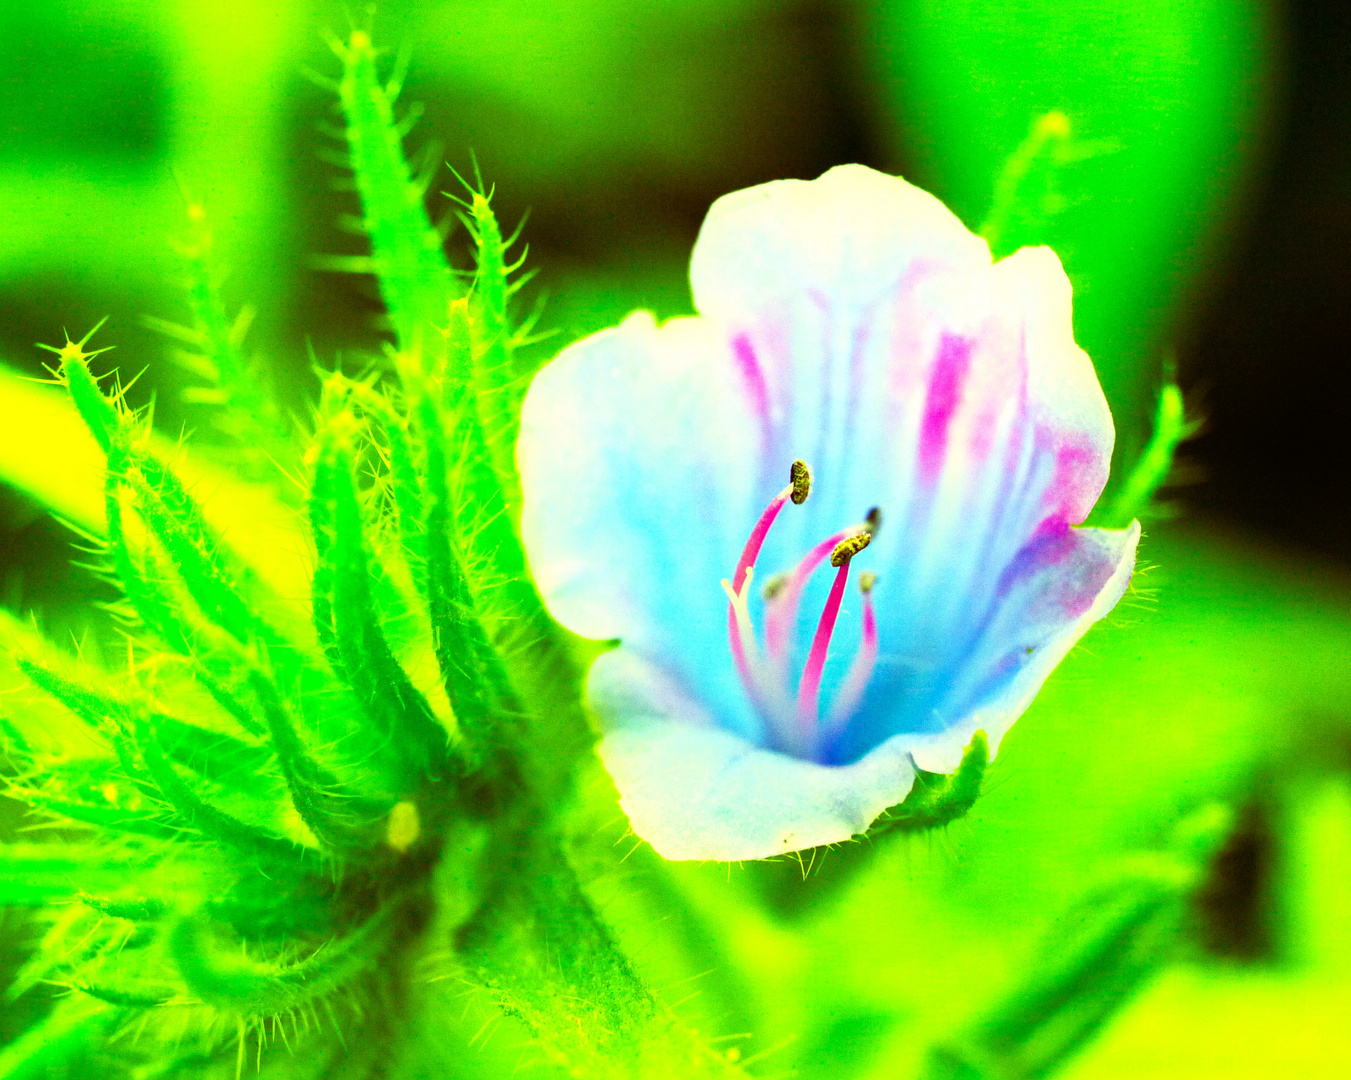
pixel 800 475
pixel 866 581
pixel 847 548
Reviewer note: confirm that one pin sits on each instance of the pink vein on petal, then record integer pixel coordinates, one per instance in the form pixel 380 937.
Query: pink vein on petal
pixel 752 378
pixel 945 394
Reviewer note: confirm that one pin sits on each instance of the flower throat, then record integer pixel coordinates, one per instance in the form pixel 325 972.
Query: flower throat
pixel 794 718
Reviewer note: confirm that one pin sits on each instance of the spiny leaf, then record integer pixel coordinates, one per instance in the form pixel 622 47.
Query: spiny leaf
pixel 404 480
pixel 392 704
pixel 213 755
pixel 477 684
pixel 101 713
pixel 104 817
pixel 499 391
pixel 415 278
pixel 208 820
pixel 228 979
pixel 315 793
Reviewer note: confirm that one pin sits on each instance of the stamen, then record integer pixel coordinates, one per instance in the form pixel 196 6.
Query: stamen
pixel 801 477
pixel 847 548
pixel 809 689
pixel 740 632
pixel 799 487
pixel 855 684
pixel 781 612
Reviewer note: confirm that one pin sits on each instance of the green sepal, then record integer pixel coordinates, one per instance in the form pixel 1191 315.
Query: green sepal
pixel 249 413
pixel 123 997
pixel 102 416
pixel 101 713
pixel 148 600
pixel 157 609
pixel 1027 193
pixel 404 482
pixel 133 909
pixel 794 886
pixel 938 799
pixel 171 515
pixel 104 817
pixel 471 668
pixel 34 875
pixel 498 394
pixel 213 755
pixel 44 1051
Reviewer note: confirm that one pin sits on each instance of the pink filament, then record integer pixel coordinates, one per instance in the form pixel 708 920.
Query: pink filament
pixel 749 554
pixel 856 680
pixel 809 689
pixel 781 612
pixel 756 540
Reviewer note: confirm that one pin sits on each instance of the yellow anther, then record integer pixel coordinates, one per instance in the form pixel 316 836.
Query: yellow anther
pixel 866 581
pixel 800 475
pixel 847 548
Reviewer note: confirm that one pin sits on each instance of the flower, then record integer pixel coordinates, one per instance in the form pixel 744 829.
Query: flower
pixel 862 383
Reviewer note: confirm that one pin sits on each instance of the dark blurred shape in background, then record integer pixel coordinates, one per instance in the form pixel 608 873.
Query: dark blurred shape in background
pixel 1270 345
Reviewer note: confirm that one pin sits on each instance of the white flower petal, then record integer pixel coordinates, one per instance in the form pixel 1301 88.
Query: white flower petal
pixel 696 791
pixel 635 454
pixel 849 236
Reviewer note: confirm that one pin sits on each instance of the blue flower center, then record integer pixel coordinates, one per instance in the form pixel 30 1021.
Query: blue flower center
pixel 792 711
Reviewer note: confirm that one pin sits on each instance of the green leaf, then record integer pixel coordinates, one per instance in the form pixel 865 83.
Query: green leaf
pixel 415 279
pixel 33 875
pixel 335 818
pixel 1096 956
pixel 228 978
pixel 1150 472
pixel 349 624
pixel 205 818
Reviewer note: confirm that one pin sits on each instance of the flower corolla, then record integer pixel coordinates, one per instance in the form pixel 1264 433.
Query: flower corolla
pixel 863 389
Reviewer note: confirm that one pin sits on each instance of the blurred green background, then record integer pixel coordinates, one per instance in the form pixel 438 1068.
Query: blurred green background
pixel 1203 213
